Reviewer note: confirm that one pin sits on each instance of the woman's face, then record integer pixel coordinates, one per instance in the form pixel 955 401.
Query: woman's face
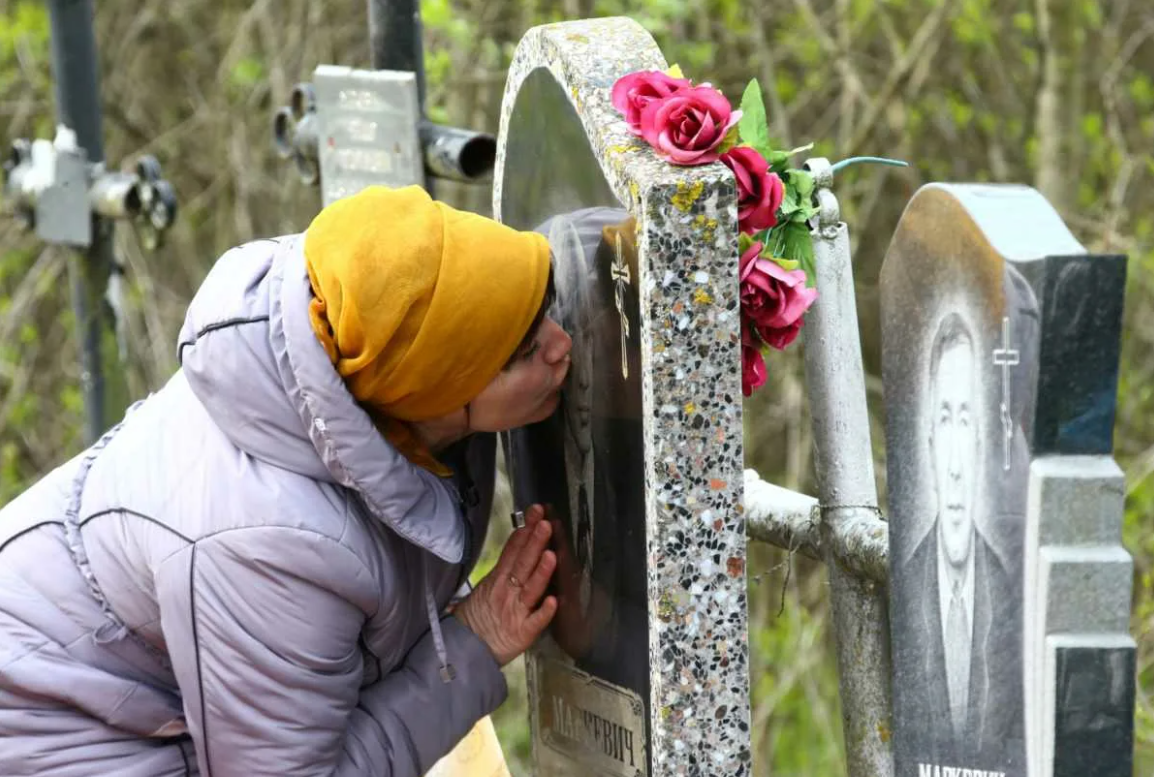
pixel 529 388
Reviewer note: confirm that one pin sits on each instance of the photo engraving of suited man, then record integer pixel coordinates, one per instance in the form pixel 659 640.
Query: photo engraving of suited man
pixel 585 462
pixel 965 659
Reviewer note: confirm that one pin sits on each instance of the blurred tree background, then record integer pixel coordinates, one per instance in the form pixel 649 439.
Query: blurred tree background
pixel 1055 93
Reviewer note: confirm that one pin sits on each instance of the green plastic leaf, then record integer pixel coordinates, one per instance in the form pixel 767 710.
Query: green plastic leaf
pixel 674 71
pixel 792 242
pixel 775 241
pixel 803 181
pixel 798 204
pixel 805 213
pixel 778 161
pixel 753 124
pixel 744 241
pixel 790 202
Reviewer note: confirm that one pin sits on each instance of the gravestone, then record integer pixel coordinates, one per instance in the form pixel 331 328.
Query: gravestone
pixel 645 668
pixel 1010 592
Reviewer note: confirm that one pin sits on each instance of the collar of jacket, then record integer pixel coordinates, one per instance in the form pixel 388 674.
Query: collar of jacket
pixel 415 503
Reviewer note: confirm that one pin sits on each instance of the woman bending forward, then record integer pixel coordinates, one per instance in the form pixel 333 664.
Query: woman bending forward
pixel 253 573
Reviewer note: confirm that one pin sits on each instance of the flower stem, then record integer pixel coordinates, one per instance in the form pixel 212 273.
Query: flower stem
pixel 870 159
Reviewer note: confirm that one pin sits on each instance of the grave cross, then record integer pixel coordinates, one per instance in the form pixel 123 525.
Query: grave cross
pixel 62 189
pixel 1006 357
pixel 352 128
pixel 620 272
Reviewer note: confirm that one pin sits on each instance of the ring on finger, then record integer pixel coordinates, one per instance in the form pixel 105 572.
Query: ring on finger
pixel 513 581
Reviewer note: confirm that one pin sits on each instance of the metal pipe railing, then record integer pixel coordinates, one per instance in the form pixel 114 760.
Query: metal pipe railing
pixel 847 492
pixel 792 521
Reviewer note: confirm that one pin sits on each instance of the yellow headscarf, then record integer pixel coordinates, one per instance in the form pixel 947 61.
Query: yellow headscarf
pixel 419 305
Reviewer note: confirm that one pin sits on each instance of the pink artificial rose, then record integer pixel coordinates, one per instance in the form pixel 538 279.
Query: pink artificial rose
pixel 759 192
pixel 686 127
pixel 633 92
pixel 753 373
pixel 773 299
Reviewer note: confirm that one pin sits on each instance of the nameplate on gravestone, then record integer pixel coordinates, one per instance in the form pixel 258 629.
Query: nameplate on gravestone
pixel 366 130
pixel 589 720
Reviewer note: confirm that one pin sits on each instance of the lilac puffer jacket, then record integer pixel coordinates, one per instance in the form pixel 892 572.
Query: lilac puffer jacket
pixel 244 578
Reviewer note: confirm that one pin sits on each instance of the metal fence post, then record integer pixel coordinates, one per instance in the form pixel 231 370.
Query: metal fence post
pixel 846 489
pixel 76 75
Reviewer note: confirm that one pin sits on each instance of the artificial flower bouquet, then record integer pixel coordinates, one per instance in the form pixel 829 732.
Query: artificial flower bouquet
pixel 696 125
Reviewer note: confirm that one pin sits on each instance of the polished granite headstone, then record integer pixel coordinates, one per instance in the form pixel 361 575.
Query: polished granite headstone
pixel 644 671
pixel 1000 342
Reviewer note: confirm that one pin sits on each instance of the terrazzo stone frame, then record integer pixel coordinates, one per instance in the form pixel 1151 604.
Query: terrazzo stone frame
pixel 691 388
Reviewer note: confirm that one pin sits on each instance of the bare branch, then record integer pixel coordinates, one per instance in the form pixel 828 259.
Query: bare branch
pixel 779 115
pixel 848 97
pixel 42 274
pixel 924 43
pixel 1047 122
pixel 831 49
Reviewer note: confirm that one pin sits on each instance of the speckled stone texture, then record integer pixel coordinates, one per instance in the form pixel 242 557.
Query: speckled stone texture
pixel 690 338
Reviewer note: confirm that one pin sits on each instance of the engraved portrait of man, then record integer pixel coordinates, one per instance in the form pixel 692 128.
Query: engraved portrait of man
pixel 574 280
pixel 966 656
pixel 585 462
pixel 961 345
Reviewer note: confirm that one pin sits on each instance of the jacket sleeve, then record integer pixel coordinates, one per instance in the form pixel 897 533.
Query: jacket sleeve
pixel 263 628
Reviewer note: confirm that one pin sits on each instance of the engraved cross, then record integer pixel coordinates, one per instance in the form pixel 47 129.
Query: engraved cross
pixel 1006 357
pixel 620 274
